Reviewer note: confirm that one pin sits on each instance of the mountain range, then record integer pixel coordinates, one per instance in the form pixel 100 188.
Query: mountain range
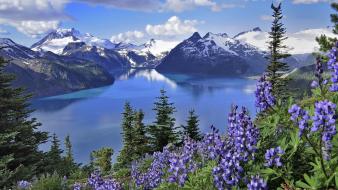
pixel 66 60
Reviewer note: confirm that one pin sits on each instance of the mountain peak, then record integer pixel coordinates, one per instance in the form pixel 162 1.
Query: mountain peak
pixel 6 41
pixel 256 29
pixel 150 43
pixel 210 34
pixel 196 36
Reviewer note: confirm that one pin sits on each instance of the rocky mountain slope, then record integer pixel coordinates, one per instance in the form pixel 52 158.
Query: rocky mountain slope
pixel 47 74
pixel 71 42
pixel 214 54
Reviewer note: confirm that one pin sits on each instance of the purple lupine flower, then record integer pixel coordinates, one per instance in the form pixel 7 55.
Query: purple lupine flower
pixel 263 93
pixel 273 157
pixel 301 117
pixel 228 171
pixel 24 184
pixel 96 182
pixel 333 65
pixel 154 175
pixel 324 121
pixel 314 84
pixel 177 169
pixel 77 186
pixel 243 134
pixel 257 183
pixel 239 148
pixel 318 74
pixel 182 163
pixel 212 144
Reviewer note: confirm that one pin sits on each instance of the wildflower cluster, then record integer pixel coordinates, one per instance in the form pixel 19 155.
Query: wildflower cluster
pixel 240 148
pixel 77 186
pixel 263 93
pixel 154 175
pixel 180 164
pixel 318 74
pixel 212 145
pixel 23 185
pixel 301 117
pixel 257 183
pixel 273 157
pixel 324 121
pixel 333 65
pixel 243 135
pixel 96 182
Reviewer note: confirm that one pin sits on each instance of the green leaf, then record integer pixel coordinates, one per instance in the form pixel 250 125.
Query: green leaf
pixel 303 185
pixel 336 179
pixel 269 171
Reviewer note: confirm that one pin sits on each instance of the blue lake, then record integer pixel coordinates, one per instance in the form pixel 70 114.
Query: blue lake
pixel 92 117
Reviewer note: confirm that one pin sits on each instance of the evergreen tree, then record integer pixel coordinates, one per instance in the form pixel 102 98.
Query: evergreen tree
pixel 5 173
pixel 125 156
pixel 191 129
pixel 163 131
pixel 102 159
pixel 69 152
pixel 70 165
pixel 22 137
pixel 140 140
pixel 54 157
pixel 325 42
pixel 277 67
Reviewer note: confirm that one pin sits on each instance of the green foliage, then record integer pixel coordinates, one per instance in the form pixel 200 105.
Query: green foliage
pixel 277 67
pixel 69 163
pixel 163 131
pixel 49 182
pixel 325 42
pixel 102 159
pixel 126 154
pixel 201 179
pixel 191 129
pixel 140 142
pixel 20 138
pixel 54 161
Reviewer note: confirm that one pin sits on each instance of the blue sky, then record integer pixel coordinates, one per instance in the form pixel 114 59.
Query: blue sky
pixel 26 21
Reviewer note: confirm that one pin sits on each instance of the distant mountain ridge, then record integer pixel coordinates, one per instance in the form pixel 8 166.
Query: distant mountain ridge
pixel 47 73
pixel 214 54
pixel 147 55
pixel 66 59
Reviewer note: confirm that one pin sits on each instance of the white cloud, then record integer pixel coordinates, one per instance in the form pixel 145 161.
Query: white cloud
pixel 298 43
pixel 32 17
pixel 35 28
pixel 174 26
pixel 130 36
pixel 266 17
pixel 309 1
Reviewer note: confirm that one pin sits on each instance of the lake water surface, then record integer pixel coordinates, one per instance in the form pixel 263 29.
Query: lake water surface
pixel 92 117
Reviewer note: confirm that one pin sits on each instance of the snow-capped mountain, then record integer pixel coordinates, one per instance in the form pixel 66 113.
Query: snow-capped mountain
pixel 214 54
pixel 48 73
pixel 13 50
pixel 57 40
pixel 148 54
pixel 302 42
pixel 71 42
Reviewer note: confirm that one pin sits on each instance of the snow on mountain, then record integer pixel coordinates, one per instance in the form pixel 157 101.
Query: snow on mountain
pixel 145 55
pixel 60 38
pixel 159 47
pixel 302 42
pixel 13 50
pixel 213 54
